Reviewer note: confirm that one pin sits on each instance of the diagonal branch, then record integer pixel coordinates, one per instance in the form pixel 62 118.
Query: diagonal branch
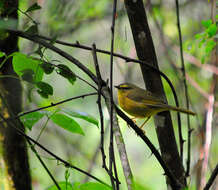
pixel 212 178
pixel 45 107
pixel 67 164
pixel 173 181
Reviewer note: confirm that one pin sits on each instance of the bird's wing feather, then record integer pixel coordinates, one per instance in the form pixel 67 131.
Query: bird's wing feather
pixel 149 100
pixel 145 97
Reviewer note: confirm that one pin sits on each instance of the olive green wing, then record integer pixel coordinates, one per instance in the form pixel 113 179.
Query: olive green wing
pixel 145 97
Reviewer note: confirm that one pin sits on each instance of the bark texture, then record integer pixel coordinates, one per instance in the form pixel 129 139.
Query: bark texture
pixel 146 52
pixel 13 146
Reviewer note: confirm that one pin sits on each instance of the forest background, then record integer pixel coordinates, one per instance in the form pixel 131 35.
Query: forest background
pixel 73 129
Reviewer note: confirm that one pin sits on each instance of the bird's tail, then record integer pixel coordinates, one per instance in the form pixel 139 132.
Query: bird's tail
pixel 182 110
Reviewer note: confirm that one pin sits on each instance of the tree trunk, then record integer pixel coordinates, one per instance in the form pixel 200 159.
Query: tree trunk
pixel 146 52
pixel 13 149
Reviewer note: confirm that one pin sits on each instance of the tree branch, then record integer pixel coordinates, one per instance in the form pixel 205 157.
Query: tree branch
pixel 67 164
pixel 146 52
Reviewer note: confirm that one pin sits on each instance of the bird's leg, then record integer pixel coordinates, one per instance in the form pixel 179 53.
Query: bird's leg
pixel 145 122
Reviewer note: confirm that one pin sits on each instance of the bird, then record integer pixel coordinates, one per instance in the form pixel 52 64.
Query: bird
pixel 141 103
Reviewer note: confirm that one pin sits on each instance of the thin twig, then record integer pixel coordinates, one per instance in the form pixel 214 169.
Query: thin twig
pixel 43 164
pixel 120 143
pixel 67 164
pixel 27 15
pixel 51 105
pixel 31 146
pixel 112 161
pixel 92 76
pixel 98 74
pixel 57 50
pixel 67 71
pixel 36 39
pixel 173 181
pixel 186 90
pixel 117 133
pixel 82 67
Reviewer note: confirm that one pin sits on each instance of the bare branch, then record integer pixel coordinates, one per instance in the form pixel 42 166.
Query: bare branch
pixel 67 164
pixel 51 105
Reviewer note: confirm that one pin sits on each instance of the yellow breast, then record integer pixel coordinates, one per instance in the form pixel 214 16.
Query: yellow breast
pixel 136 109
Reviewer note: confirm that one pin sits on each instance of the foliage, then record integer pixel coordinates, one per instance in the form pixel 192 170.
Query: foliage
pixel 205 40
pixel 31 119
pixel 81 115
pixel 64 120
pixel 65 72
pixel 33 7
pixel 31 69
pixel 39 75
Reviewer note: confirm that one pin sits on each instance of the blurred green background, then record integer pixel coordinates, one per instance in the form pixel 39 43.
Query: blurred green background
pixel 88 22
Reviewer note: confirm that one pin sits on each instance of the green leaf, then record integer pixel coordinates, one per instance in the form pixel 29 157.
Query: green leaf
pixel 206 23
pixel 82 115
pixel 201 42
pixel 45 89
pixel 94 186
pixel 209 46
pixel 2 54
pixel 67 123
pixel 32 118
pixel 47 68
pixel 33 7
pixel 211 30
pixel 200 35
pixel 28 75
pixel 63 185
pixel 22 62
pixel 65 72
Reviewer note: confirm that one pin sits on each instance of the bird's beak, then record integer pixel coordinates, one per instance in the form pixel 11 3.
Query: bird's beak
pixel 117 87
